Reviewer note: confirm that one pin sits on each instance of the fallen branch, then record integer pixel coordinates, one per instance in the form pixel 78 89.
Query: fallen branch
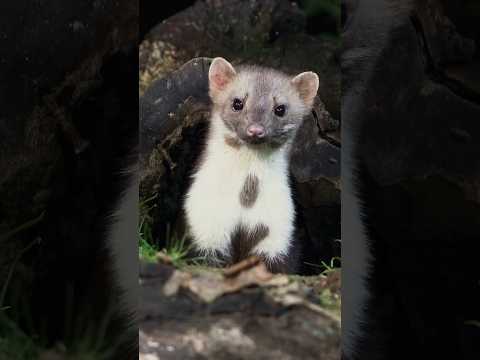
pixel 243 265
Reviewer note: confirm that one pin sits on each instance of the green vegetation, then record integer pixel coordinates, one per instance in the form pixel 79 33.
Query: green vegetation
pixel 326 284
pixel 146 248
pixel 14 343
pixel 177 249
pixel 327 268
pixel 83 339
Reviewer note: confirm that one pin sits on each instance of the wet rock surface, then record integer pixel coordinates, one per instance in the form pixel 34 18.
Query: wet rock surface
pixel 251 315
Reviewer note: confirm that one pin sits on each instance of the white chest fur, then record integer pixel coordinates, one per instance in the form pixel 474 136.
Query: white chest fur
pixel 213 207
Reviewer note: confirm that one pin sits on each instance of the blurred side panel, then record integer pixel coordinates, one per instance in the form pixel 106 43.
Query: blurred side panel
pixel 68 143
pixel 411 170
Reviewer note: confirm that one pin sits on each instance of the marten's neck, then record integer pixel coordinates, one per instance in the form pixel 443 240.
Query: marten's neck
pixel 222 143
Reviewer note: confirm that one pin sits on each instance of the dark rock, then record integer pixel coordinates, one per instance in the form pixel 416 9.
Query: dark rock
pixel 242 32
pixel 155 270
pixel 253 322
pixel 250 301
pixel 165 96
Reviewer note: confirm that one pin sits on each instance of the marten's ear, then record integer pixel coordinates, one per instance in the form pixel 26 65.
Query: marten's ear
pixel 306 84
pixel 221 73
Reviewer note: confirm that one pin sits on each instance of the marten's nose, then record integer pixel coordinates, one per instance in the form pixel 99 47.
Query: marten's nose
pixel 255 130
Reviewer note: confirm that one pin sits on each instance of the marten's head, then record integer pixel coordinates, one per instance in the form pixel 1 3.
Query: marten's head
pixel 259 105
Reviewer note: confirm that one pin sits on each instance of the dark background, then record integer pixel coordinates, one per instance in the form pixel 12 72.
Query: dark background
pixel 68 124
pixel 318 18
pixel 410 111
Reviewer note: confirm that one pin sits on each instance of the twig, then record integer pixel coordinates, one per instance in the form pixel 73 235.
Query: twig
pixel 237 268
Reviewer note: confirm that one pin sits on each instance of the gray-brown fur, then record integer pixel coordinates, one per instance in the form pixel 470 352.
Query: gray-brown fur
pixel 261 94
pixel 243 240
pixel 249 192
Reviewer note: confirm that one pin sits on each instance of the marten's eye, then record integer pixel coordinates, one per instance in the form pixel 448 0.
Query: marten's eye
pixel 237 104
pixel 279 110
